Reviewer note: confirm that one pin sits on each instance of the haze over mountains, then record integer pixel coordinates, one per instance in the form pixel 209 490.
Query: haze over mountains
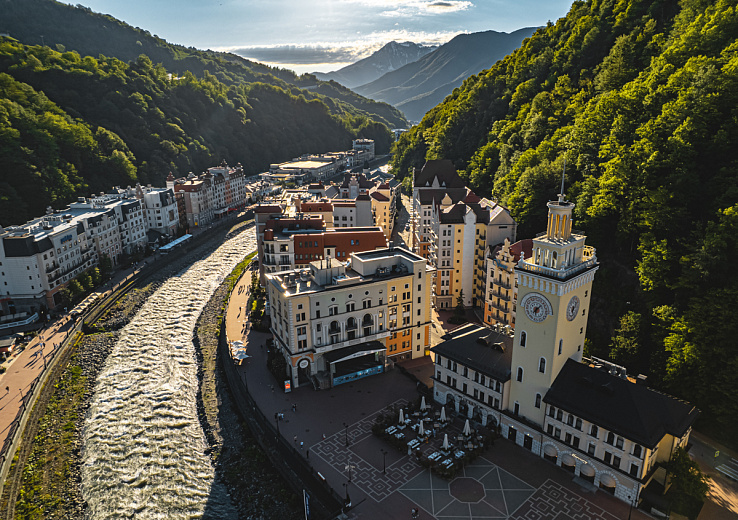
pixel 418 86
pixel 390 57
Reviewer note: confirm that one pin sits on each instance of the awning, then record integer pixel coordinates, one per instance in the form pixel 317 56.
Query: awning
pixel 568 460
pixel 587 470
pixel 550 450
pixel 607 481
pixel 354 351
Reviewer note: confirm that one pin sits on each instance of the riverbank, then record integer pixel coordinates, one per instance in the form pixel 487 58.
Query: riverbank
pixel 254 486
pixel 51 477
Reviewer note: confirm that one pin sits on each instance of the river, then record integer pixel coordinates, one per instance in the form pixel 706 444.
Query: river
pixel 144 450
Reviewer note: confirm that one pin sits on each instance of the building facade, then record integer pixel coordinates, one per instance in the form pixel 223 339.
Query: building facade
pixel 332 321
pixel 585 415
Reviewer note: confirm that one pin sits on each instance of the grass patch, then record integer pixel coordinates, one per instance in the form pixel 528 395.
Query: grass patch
pixel 47 472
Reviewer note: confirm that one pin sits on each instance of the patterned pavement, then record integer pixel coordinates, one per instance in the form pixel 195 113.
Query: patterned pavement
pixel 552 501
pixel 481 491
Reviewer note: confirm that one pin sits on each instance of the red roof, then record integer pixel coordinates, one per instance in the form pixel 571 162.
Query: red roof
pixel 268 209
pixel 378 196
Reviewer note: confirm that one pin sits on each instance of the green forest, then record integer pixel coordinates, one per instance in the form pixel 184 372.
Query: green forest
pixel 73 124
pixel 638 102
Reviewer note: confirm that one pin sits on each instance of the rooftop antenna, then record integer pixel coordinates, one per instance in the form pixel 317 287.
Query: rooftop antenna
pixel 563 174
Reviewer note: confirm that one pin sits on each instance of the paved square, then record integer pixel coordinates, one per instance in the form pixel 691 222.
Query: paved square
pixel 481 490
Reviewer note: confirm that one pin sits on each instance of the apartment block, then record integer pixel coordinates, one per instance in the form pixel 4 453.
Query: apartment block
pixel 335 322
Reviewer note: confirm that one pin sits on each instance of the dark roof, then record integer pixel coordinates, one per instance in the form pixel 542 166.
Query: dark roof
pixel 427 196
pixel 443 169
pixel 453 215
pixel 631 410
pixel 480 349
pixel 380 197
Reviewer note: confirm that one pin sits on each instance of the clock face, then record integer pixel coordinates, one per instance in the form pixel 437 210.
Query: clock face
pixel 572 308
pixel 536 306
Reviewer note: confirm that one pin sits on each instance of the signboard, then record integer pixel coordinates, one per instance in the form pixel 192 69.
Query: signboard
pixel 303 363
pixel 306 500
pixel 287 386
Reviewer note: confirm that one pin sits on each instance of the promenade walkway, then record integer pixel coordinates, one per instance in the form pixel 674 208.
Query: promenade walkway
pixel 332 430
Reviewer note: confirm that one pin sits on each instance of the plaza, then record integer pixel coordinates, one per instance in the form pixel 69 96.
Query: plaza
pixel 332 429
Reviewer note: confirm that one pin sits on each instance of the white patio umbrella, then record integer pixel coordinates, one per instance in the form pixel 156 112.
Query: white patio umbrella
pixel 241 354
pixel 423 406
pixel 467 428
pixel 421 429
pixel 237 343
pixel 445 442
pixel 402 416
pixel 443 414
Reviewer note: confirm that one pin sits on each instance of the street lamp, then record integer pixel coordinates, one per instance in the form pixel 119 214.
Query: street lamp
pixel 347 501
pixel 384 461
pixel 346 426
pixel 349 467
pixel 276 420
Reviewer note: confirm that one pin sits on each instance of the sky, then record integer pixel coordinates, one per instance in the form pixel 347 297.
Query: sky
pixel 322 35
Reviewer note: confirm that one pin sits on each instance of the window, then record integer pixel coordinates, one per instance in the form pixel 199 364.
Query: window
pixel 550 429
pixel 575 442
pixel 610 438
pixel 559 415
pixel 637 451
pixel 593 430
pixel 567 438
pixel 561 345
pixel 520 375
pixel 522 338
pixel 616 461
pixel 578 424
pixel 538 400
pixel 570 420
pixel 557 433
pixel 619 443
pixel 634 470
pixel 591 449
pixel 608 457
pixel 516 408
pixel 542 365
pixel 551 411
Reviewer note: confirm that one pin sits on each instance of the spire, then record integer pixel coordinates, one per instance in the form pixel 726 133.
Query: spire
pixel 563 175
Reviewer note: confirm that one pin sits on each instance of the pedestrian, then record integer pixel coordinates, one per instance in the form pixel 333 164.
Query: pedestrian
pixel 294 407
pixel 307 453
pixel 414 512
pixel 295 439
pixel 324 436
pixel 301 444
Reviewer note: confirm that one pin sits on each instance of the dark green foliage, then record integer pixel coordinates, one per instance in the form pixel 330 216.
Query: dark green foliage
pixel 640 98
pixel 689 486
pixel 71 126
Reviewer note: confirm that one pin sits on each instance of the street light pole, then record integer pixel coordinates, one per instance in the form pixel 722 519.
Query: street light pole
pixel 384 461
pixel 346 426
pixel 276 420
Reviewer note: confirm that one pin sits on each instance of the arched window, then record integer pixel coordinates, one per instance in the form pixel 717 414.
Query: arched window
pixel 538 400
pixel 520 375
pixel 542 365
pixel 554 259
pixel 335 328
pixel 523 337
pixel 351 323
pixel 561 345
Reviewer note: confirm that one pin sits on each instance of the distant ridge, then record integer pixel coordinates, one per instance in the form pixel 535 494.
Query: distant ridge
pixel 390 57
pixel 419 86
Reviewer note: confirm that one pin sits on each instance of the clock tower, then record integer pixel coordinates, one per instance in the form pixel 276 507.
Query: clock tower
pixel 554 291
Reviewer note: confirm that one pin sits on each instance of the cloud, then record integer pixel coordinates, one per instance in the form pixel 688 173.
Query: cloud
pixel 407 8
pixel 326 56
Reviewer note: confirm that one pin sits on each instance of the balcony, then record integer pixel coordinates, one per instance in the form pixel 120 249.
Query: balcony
pixel 500 296
pixel 322 349
pixel 589 260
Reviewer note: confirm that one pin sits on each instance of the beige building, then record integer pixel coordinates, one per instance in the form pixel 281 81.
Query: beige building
pixel 501 289
pixel 384 207
pixel 332 321
pixel 453 229
pixel 584 415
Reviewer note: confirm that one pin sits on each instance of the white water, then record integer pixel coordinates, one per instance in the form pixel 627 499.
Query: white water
pixel 143 451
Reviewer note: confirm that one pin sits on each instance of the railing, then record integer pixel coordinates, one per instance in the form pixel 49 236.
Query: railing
pixel 561 274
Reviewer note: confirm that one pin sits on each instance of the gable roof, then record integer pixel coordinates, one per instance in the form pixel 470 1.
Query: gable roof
pixel 631 410
pixel 379 196
pixel 443 169
pixel 480 349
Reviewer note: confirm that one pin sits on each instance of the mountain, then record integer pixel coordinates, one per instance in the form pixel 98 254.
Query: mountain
pixel 417 87
pixel 390 57
pixel 638 102
pixel 88 33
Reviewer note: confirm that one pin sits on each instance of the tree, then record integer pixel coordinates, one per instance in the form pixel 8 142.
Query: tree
pixel 459 310
pixel 626 345
pixel 689 486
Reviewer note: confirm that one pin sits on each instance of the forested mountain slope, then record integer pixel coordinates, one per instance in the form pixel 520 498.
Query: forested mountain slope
pixel 65 27
pixel 640 98
pixel 72 125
